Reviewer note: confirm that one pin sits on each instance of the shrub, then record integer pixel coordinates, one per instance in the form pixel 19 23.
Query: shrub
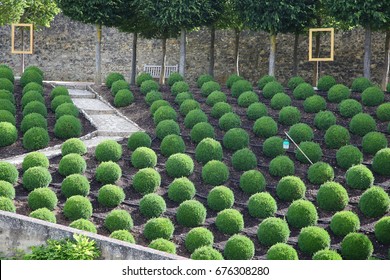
pixel 349 108
pixel 75 184
pixel 42 198
pixel 319 173
pixel 374 202
pixel 193 117
pixel 173 78
pixel 373 96
pixel 153 96
pixel 332 197
pixel 327 255
pixel 163 245
pixel 9 134
pixel 164 113
pixel 220 109
pixel 303 91
pixel 232 79
pixel 209 87
pixel 83 224
pixel 7 204
pixel 73 146
pixel 265 127
pixel 247 98
pixel 36 177
pixel 67 109
pixel 356 246
pixel 31 76
pixel 123 235
pixel 302 213
pixel 7 106
pixel 312 150
pixel 113 77
pixel 187 106
pixel 344 222
pixel 179 87
pixel 204 79
pixel 139 139
pixel 7 190
pixel 6 73
pixel 383 112
pixel 273 147
pixel 108 150
pixel 208 149
pixel 152 205
pixel 206 253
pixel 360 84
pixel 144 157
pixel 314 104
pixel 6 85
pixel 265 80
pixel 148 86
pixel 123 98
pixel 77 207
pixel 359 177
pixel 239 247
pixel 290 188
pixel 272 88
pixel 108 172
pixel 313 239
pixel 36 69
pixel 381 162
pixel 326 82
pixel 142 77
pixel 235 139
pixel 5 94
pixel 281 251
pixel 146 180
pixel 72 164
pixel 348 156
pixel 157 104
pixel 220 198
pixel 111 195
pixel 183 96
pixel 325 119
pixel 58 90
pixel 43 214
pixel 338 93
pixel 244 159
pixel 280 100
pixel 382 229
pixel 172 144
pixel 289 115
pixel 35 107
pixel 256 110
pixel 229 221
pixel 240 87
pixel 294 82
pixel 119 85
pixel 262 205
pixel 118 220
pixel 201 131
pixel 215 173
pixel 179 165
pixel 229 121
pixel 181 189
pixel 8 172
pixel 191 213
pixel 67 127
pixel 273 230
pixel 301 132
pixel 361 124
pixel 33 86
pixel 59 100
pixel 33 120
pixel 337 136
pixel 281 166
pixel 198 237
pixel 252 182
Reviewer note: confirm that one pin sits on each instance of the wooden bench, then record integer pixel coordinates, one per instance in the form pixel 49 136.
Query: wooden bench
pixel 155 70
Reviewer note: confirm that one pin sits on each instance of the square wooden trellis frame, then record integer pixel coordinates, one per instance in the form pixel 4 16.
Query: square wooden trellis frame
pixel 30 50
pixel 313 30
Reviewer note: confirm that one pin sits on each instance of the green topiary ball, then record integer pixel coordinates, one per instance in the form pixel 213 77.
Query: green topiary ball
pixel 143 157
pixel 35 107
pixel 188 105
pixel 163 245
pixel 167 127
pixel 252 182
pixel 67 109
pixel 77 207
pixel 382 230
pixel 209 87
pixel 313 239
pixel 312 150
pixel 179 87
pixel 359 177
pixel 374 202
pixel 152 205
pixel 239 247
pixel 220 109
pixel 29 76
pixel 181 189
pixel 372 142
pixel 381 162
pixel 204 79
pixel 172 144
pixel 111 196
pixel 256 110
pixel 194 117
pixel 59 90
pixel 208 149
pixel 173 78
pixel 325 119
pixel 215 97
pixel 229 221
pixel 273 147
pixel 327 255
pixel 265 80
pixel 301 132
pixel 201 131
pixel 383 112
pixel 75 184
pixel 113 77
pixel 326 82
pixel 67 127
pixel 8 172
pixel 273 230
pixel 148 86
pixel 290 188
pixel 83 224
pixel 294 82
pixel 265 127
pixel 235 139
pixel 220 198
pixel 35 138
pixel 281 251
pixel 108 150
pixel 6 116
pixel 142 77
pixel 42 198
pixel 7 73
pixel 349 108
pixel 152 96
pixel 157 104
pixel 361 124
pixel 319 173
pixel 314 104
pixel 197 238
pixel 35 159
pixel 289 115
pixel 240 87
pixel 123 98
pixel 8 106
pixel 281 166
pixel 215 173
pixel 271 89
pixel 139 139
pixel 9 134
pixel 373 96
pixel 164 113
pixel 5 94
pixel 280 100
pixel 302 213
pixel 243 160
pixel 344 222
pixel 123 235
pixel 338 93
pixel 262 205
pixel 232 79
pixel 303 91
pixel 247 98
pixel 118 220
pixel 146 180
pixel 332 197
pixel 229 121
pixel 72 164
pixel 6 85
pixel 73 146
pixel 7 190
pixel 59 100
pixel 119 85
pixel 159 228
pixel 191 213
pixel 337 136
pixel 356 246
pixel 44 214
pixel 179 165
pixel 36 177
pixel 33 86
pixel 206 253
pixel 7 204
pixel 348 156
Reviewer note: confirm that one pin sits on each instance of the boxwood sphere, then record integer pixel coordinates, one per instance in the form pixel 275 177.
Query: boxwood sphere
pixel 111 195
pixel 6 116
pixel 34 159
pixel 252 182
pixel 206 253
pixel 77 207
pixel 313 239
pixel 8 106
pixel 7 73
pixel 235 139
pixel 239 87
pixel 350 107
pixel 148 86
pixel 215 97
pixel 7 190
pixel 247 98
pixel 359 177
pixel 273 230
pixel 36 177
pixel 256 110
pixel 208 149
pixel 201 131
pixel 118 220
pixel 157 104
pixel 31 76
pixel 271 89
pixel 83 224
pixel 36 138
pixel 337 136
pixel 326 82
pixel 344 222
pixel 348 156
pixel 220 198
pixel 312 150
pixel 35 107
pixel 193 117
pixel 229 221
pixel 67 127
pixel 123 235
pixel 302 213
pixel 327 255
pixel 338 93
pixel 152 205
pixel 332 197
pixel 314 104
pixel 373 96
pixel 59 90
pixel 33 86
pixel 181 189
pixel 146 180
pixel 215 173
pixel 289 115
pixel 381 162
pixel 139 139
pixel 281 166
pixel 7 204
pixel 123 98
pixel 262 205
pixel 167 127
pixel 220 109
pixel 372 142
pixel 273 147
pixel 383 112
pixel 159 228
pixel 281 251
pixel 75 184
pixel 42 198
pixel 356 246
pixel 263 81
pixel 6 85
pixel 179 87
pixel 152 96
pixel 164 113
pixel 67 109
pixel 32 96
pixel 280 100
pixel 72 164
pixel 119 85
pixel 108 150
pixel 59 100
pixel 382 230
pixel 172 144
pixel 9 134
pixel 325 119
pixel 187 106
pixel 374 202
pixel 265 127
pixel 73 146
pixel 239 247
pixel 179 165
pixel 174 77
pixel 232 79
pixel 209 87
pixel 301 132
pixel 113 77
pixel 143 157
pixel 8 172
pixel 244 159
pixel 33 120
pixel 320 172
pixel 44 214
pixel 361 124
pixel 303 91
pixel 229 121
pixel 191 213
pixel 142 77
pixel 198 237
pixel 163 245
pixel 290 188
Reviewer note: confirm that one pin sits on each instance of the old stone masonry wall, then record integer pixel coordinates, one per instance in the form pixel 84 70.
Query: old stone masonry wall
pixel 66 51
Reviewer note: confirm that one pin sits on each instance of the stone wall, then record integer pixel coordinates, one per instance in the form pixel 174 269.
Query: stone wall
pixel 66 51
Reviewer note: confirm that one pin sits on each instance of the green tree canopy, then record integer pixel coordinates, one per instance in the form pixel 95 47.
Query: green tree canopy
pixel 11 11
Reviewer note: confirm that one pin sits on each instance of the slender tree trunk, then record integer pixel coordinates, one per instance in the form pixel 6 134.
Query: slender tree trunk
pixel 134 59
pixel 98 74
pixel 367 53
pixel 272 55
pixel 163 61
pixel 386 70
pixel 183 52
pixel 295 55
pixel 316 63
pixel 23 58
pixel 212 51
pixel 237 51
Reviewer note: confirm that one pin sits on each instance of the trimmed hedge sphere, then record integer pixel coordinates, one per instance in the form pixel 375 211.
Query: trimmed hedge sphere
pixel 42 198
pixel 265 80
pixel 337 136
pixel 281 166
pixel 215 173
pixel 241 86
pixel 7 190
pixel 146 180
pixel 67 127
pixel 302 213
pixel 142 77
pixel 172 144
pixel 8 172
pixel 374 202
pixel 312 150
pixel 273 147
pixel 174 77
pixel 179 87
pixel 303 91
pixel 359 177
pixel 290 188
pixel 252 182
pixel 382 230
pixel 113 77
pixel 301 132
pixel 356 246
pixel 373 96
pixel 32 86
pixel 152 96
pixel 239 247
pixel 206 253
pixel 67 109
pixel 350 107
pixel 265 127
pixel 143 157
pixel 280 100
pixel 9 134
pixel 75 184
pixel 208 149
pixel 119 85
pixel 108 172
pixel 32 96
pixel 314 104
pixel 118 220
pixel 36 177
pixel 179 165
pixel 108 150
pixel 281 251
pixel 77 207
pixel 215 97
pixel 163 245
pixel 123 98
pixel 6 116
pixel 244 159
pixel 235 139
pixel 188 105
pixel 271 89
pixel 348 156
pixel 5 94
pixel 83 224
pixel 332 197
pixel 29 76
pixel 44 214
pixel 256 110
pixel 273 230
pixel 123 235
pixel 326 82
pixel 262 205
pixel 59 100
pixel 313 239
pixel 35 107
pixel 201 131
pixel 198 237
pixel 325 119
pixel 220 109
pixel 111 195
pixel 229 121
pixel 344 222
pixel 247 98
pixel 209 87
pixel 191 213
pixel 7 204
pixel 72 164
pixel 193 117
pixel 289 115
pixel 73 146
pixel 361 124
pixel 157 104
pixel 59 90
pixel 181 189
pixel 148 86
pixel 327 255
pixel 164 113
pixel 383 112
pixel 320 172
pixel 338 93
pixel 139 139
pixel 229 221
pixel 232 79
pixel 381 162
pixel 152 205
pixel 220 198
pixel 183 96
pixel 33 120
pixel 6 85
pixel 7 73
pixel 204 79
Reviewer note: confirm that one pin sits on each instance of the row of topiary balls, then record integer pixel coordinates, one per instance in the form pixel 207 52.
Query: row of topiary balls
pixel 120 89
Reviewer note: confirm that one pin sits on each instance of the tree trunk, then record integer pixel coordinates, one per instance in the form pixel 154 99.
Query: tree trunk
pixel 164 58
pixel 183 52
pixel 386 70
pixel 134 59
pixel 295 55
pixel 23 58
pixel 98 74
pixel 367 53
pixel 212 51
pixel 272 55
pixel 316 63
pixel 237 51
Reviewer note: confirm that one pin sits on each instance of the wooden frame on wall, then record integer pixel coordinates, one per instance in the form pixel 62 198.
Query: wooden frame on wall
pixel 313 30
pixel 30 49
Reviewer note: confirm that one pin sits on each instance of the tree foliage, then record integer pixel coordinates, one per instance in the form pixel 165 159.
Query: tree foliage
pixel 40 13
pixel 11 11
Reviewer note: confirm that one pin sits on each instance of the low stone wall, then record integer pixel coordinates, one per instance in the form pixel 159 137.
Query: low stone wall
pixel 21 232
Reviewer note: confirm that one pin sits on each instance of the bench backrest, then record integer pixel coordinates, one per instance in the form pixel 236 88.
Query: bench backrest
pixel 155 70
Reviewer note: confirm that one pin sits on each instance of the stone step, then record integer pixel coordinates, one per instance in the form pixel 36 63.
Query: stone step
pixel 78 93
pixel 113 125
pixel 93 106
